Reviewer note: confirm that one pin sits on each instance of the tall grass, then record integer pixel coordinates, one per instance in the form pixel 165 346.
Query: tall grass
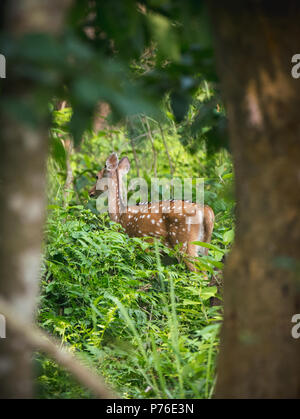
pixel 132 316
pixel 147 326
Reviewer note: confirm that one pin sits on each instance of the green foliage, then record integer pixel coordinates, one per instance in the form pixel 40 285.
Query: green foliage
pixel 147 325
pixel 100 56
pixel 137 317
pixel 148 328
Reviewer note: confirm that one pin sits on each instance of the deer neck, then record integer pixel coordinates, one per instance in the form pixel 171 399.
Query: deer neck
pixel 115 198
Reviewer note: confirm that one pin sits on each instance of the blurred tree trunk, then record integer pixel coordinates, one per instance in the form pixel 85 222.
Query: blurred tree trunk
pixel 254 45
pixel 23 153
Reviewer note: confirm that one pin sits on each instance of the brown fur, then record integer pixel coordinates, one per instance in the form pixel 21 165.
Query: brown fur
pixel 168 220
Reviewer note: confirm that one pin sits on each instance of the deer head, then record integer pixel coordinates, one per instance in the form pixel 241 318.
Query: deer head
pixel 114 170
pixel 154 219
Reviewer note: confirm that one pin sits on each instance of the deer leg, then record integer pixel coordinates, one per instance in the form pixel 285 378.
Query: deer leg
pixel 191 253
pixel 209 219
pixel 150 241
pixel 199 232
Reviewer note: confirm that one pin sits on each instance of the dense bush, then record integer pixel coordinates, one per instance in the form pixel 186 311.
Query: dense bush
pixel 131 309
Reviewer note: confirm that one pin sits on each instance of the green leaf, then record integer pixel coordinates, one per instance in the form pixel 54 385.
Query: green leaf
pixel 190 302
pixel 68 310
pixel 165 36
pixel 228 236
pixel 209 246
pixel 58 152
pixel 208 292
pixel 209 331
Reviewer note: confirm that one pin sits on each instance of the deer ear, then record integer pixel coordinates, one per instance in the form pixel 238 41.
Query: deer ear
pixel 124 165
pixel 112 162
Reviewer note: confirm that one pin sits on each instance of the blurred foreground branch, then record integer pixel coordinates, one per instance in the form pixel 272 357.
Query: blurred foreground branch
pixel 37 339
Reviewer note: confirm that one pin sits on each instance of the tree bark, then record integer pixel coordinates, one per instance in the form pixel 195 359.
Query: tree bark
pixel 254 42
pixel 23 153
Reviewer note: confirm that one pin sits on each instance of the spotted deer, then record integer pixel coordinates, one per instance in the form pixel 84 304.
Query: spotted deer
pixel 176 221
